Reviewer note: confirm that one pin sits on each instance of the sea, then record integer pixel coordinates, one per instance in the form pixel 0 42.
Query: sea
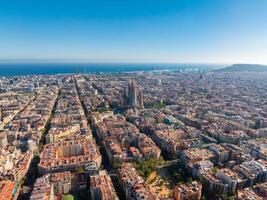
pixel 22 69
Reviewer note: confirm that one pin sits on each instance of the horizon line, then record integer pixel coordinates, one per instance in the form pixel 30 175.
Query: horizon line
pixel 88 61
pixel 103 61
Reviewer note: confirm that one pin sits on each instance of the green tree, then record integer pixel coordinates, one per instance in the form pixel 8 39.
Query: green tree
pixel 67 197
pixel 232 198
pixel 146 167
pixel 79 170
pixel 43 130
pixel 215 170
pixel 117 165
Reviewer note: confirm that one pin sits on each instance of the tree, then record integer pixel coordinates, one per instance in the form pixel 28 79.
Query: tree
pixel 117 165
pixel 146 167
pixel 79 170
pixel 215 170
pixel 232 198
pixel 67 197
pixel 43 130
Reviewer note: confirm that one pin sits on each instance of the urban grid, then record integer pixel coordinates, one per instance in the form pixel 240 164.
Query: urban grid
pixel 170 135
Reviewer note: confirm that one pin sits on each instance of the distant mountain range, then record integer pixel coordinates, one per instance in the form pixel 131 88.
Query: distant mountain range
pixel 244 68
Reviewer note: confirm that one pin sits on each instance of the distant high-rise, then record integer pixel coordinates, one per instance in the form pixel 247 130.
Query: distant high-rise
pixel 133 98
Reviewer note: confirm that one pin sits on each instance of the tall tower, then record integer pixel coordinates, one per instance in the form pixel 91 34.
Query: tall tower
pixel 134 96
pixel 141 99
pixel 1 113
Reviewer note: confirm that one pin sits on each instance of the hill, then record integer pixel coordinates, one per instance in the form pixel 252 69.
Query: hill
pixel 244 68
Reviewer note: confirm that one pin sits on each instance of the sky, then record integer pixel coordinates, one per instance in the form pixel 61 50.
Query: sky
pixel 171 31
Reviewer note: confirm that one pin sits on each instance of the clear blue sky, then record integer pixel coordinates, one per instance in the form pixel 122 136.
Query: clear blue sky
pixel 209 31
